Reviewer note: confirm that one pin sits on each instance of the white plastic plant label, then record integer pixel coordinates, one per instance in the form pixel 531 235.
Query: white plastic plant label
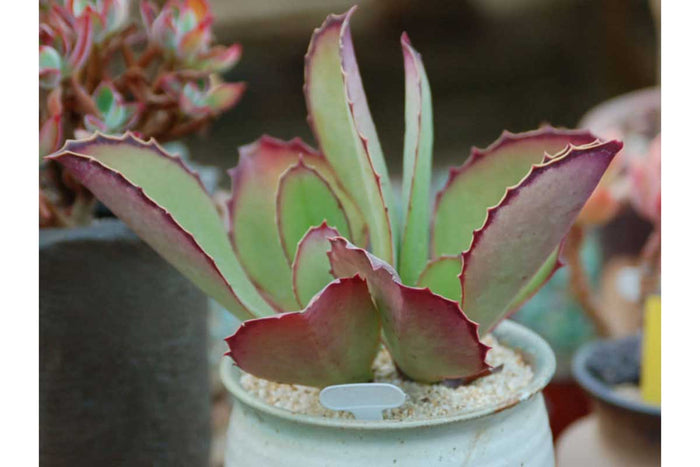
pixel 365 401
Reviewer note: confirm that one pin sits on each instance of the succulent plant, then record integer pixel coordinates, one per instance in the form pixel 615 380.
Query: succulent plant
pixel 114 115
pixel 319 231
pixel 182 29
pixel 99 70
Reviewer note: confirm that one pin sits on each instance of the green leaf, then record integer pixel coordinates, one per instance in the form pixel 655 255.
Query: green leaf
pixel 168 207
pixel 340 119
pixel 441 276
pixel 482 181
pixel 333 341
pixel 417 161
pixel 305 199
pixel 311 270
pixel 550 266
pixel 428 336
pixel 105 99
pixel 521 233
pixel 253 213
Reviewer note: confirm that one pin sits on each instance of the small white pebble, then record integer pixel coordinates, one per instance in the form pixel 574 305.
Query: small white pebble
pixel 423 401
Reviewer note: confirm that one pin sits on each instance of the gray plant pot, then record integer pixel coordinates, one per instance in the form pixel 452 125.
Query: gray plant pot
pixel 123 353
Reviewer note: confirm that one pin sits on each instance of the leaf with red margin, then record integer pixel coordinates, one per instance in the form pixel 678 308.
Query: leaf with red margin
pixel 525 228
pixel 428 336
pixel 167 206
pixel 340 119
pixel 83 43
pixel 417 161
pixel 311 270
pixel 305 199
pixel 252 213
pixel 333 341
pixel 481 182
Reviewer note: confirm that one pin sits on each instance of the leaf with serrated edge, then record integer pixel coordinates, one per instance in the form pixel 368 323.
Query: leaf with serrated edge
pixel 333 341
pixel 340 119
pixel 525 228
pixel 428 336
pixel 417 161
pixel 481 182
pixel 252 213
pixel 441 276
pixel 311 269
pixel 305 199
pixel 167 206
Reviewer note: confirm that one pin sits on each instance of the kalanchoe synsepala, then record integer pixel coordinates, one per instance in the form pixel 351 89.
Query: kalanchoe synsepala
pixel 157 76
pixel 300 217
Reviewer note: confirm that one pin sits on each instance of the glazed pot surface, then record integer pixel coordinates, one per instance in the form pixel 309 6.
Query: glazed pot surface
pixel 513 433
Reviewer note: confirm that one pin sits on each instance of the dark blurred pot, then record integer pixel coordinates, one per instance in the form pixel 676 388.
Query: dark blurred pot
pixel 622 431
pixel 123 354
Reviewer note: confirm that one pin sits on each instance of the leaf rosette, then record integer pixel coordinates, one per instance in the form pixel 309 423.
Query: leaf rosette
pixel 318 230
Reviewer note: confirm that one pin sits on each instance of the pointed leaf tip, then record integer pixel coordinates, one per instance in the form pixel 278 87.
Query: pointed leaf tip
pixel 340 119
pixel 481 182
pixel 521 233
pixel 417 165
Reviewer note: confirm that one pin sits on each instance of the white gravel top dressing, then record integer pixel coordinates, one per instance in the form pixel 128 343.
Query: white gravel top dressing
pixel 423 400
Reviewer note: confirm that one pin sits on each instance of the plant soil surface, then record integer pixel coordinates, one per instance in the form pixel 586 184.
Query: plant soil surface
pixel 423 401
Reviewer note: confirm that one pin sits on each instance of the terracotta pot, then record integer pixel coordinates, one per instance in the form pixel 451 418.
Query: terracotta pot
pixel 513 433
pixel 123 355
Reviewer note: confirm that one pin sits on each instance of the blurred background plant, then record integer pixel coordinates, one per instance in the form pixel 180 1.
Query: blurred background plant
pixel 117 65
pixel 625 212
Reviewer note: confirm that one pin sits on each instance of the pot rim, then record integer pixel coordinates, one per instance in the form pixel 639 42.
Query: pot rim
pixel 602 391
pixel 534 349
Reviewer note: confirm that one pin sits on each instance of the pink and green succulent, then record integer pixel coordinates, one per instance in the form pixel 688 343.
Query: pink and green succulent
pixel 182 29
pixel 114 114
pixel 99 70
pixel 318 230
pixel 108 16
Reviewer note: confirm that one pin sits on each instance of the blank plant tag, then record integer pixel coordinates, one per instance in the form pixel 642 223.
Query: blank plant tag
pixel 365 401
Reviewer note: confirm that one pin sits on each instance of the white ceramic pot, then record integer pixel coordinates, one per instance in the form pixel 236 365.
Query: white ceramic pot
pixel 515 433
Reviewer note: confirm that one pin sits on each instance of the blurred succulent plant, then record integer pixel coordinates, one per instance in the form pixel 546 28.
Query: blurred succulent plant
pixel 182 29
pixel 632 180
pixel 114 114
pixel 101 70
pixel 497 229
